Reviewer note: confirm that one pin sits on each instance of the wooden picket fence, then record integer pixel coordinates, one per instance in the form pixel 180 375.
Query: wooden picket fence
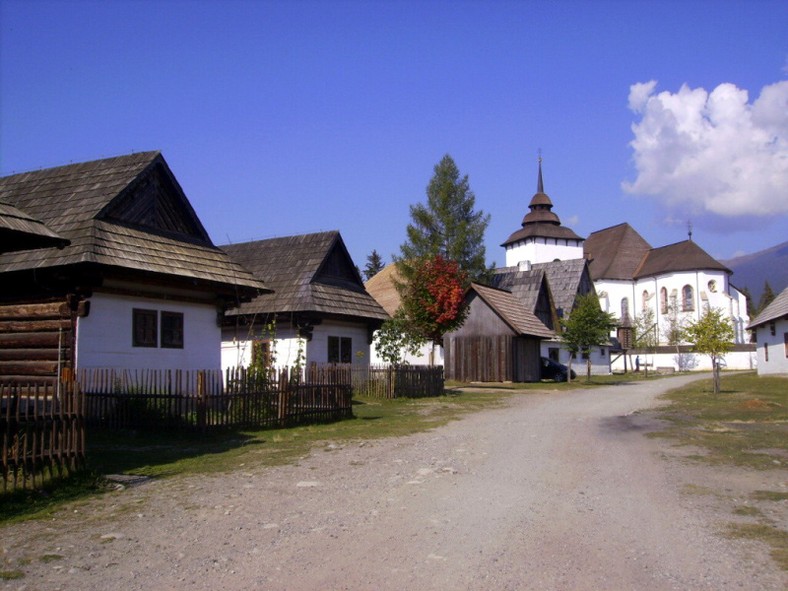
pixel 211 400
pixel 404 381
pixel 42 432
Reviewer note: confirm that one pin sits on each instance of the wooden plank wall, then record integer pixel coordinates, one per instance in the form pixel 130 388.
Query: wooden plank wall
pixel 33 336
pixel 479 358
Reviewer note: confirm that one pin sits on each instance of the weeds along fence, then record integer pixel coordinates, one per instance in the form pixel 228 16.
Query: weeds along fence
pixel 42 432
pixel 404 381
pixel 207 400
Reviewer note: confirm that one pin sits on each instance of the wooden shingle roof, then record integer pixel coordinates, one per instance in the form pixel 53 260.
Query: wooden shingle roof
pixel 512 311
pixel 127 212
pixel 673 258
pixel 567 279
pixel 309 273
pixel 525 285
pixel 20 231
pixel 776 310
pixel 615 252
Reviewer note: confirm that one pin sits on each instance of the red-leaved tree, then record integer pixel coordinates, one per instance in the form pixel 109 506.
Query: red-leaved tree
pixel 432 298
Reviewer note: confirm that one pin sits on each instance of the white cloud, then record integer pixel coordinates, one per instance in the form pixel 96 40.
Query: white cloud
pixel 711 155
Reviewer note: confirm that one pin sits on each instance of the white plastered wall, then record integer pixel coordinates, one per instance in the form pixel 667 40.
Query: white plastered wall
pixel 237 351
pixel 543 250
pixel 104 336
pixel 777 344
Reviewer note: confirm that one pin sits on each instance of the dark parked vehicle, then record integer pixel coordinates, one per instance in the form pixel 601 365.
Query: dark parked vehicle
pixel 552 370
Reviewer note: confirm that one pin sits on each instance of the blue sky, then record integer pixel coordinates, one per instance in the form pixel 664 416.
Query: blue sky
pixel 283 118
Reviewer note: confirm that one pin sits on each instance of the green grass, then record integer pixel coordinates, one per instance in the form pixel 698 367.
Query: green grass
pixel 163 455
pixel 11 575
pixel 746 424
pixel 776 538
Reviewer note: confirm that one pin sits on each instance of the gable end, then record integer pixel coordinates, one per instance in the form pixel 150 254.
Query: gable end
pixel 155 202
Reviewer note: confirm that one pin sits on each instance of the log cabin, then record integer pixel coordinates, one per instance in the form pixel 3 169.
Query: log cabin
pixel 137 285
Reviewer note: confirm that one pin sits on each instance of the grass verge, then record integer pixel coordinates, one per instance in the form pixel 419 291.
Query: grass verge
pixel 162 455
pixel 745 425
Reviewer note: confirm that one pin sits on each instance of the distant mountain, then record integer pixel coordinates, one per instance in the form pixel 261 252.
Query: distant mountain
pixel 752 270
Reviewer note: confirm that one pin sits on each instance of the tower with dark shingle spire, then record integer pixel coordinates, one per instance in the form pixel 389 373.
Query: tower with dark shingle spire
pixel 542 238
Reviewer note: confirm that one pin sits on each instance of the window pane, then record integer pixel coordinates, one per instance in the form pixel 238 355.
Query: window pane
pixel 143 328
pixel 333 349
pixel 347 350
pixel 172 330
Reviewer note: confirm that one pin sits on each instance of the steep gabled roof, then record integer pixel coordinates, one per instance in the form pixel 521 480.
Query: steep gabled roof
pixel 615 252
pixel 673 258
pixel 20 231
pixel 127 212
pixel 309 273
pixel 774 311
pixel 512 311
pixel 525 285
pixel 567 279
pixel 382 286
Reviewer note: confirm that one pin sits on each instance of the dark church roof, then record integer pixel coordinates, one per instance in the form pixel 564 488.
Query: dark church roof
pixel 541 221
pixel 673 258
pixel 615 252
pixel 127 212
pixel 309 273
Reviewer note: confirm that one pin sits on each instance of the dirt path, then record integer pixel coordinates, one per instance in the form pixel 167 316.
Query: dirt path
pixel 559 491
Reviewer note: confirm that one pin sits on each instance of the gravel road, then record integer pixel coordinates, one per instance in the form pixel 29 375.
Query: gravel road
pixel 556 491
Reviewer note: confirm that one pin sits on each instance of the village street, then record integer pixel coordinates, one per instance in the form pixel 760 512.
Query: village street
pixel 556 491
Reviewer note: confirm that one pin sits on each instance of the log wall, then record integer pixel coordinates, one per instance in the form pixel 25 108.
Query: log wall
pixel 37 339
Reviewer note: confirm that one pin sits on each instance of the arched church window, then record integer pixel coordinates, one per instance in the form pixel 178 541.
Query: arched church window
pixel 687 299
pixel 645 300
pixel 624 307
pixel 663 301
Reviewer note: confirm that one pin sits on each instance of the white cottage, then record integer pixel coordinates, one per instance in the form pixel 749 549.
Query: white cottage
pixel 770 329
pixel 136 284
pixel 318 312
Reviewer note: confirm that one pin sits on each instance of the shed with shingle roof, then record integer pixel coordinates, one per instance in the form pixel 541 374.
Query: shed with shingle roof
pixel 499 340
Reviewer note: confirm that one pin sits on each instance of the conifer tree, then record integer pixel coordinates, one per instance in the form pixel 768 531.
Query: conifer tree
pixel 447 225
pixel 374 265
pixel 767 297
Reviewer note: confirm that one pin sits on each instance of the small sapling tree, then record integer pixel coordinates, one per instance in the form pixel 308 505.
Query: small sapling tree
pixel 587 326
pixel 712 335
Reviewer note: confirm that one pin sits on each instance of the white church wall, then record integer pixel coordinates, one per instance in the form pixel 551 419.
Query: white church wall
pixel 543 250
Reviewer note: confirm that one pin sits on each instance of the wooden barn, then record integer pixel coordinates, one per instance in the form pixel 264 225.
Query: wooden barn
pixel 499 341
pixel 137 282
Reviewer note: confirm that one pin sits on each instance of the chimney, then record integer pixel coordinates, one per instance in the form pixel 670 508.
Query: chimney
pixel 524 266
